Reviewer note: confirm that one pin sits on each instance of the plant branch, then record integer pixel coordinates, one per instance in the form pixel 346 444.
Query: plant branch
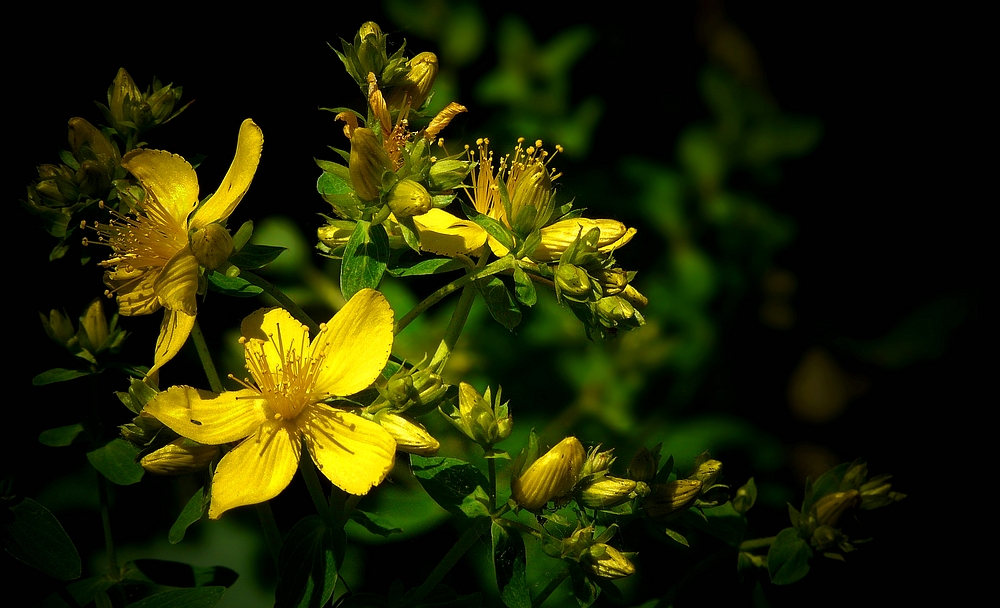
pixel 205 356
pixel 282 299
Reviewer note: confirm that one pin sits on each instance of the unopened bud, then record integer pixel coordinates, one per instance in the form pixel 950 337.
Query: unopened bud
pixel 613 280
pixel 410 435
pixel 368 161
pixel 448 174
pixel 557 237
pixel 829 508
pixel 607 492
pixel 335 233
pixel 418 82
pixel 94 330
pixel 644 464
pixel 573 282
pixel 668 500
pixel 597 461
pixel 58 327
pixel 607 562
pixel 408 198
pixel 551 476
pixel 178 457
pixel 707 471
pixel 82 133
pixel 212 246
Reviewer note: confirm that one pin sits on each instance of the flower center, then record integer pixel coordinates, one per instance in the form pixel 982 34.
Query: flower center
pixel 147 239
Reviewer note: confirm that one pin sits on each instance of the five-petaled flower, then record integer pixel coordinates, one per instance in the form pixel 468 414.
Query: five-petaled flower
pixel 283 407
pixel 153 264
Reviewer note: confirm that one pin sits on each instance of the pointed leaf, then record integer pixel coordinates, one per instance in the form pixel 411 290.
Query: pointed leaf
pixel 499 302
pixel 454 484
pixel 252 257
pixel 424 267
pixel 524 289
pixel 375 523
pixel 37 538
pixel 232 286
pixel 308 560
pixel 788 557
pixel 365 258
pixel 202 597
pixel 192 512
pixel 178 574
pixel 57 374
pixel 60 436
pixel 116 461
pixel 509 566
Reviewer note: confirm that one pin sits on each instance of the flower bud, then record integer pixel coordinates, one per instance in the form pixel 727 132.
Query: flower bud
pixel 448 174
pixel 122 96
pixel 178 457
pixel 597 461
pixel 613 280
pixel 416 391
pixel 551 476
pixel 707 471
pixel 368 161
pixel 481 420
pixel 212 246
pixel 417 84
pixel 607 562
pixel 94 332
pixel 573 282
pixel 828 509
pixel 408 198
pixel 614 311
pixel 82 133
pixel 335 233
pixel 644 464
pixel 410 435
pixel 668 500
pixel 58 327
pixel 557 237
pixel 607 492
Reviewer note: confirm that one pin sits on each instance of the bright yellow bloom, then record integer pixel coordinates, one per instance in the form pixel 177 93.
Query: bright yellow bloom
pixel 153 265
pixel 282 408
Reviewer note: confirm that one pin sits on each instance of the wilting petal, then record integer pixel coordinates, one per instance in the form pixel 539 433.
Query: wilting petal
pixel 174 331
pixel 354 346
pixel 134 291
pixel 221 204
pixel 443 233
pixel 168 178
pixel 208 417
pixel 355 454
pixel 274 335
pixel 176 284
pixel 257 469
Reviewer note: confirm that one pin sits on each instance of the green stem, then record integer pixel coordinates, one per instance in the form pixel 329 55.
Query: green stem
pixel 308 470
pixel 544 594
pixel 757 543
pixel 205 356
pixel 271 534
pixel 491 464
pixel 282 299
pixel 463 544
pixel 480 271
pixel 109 544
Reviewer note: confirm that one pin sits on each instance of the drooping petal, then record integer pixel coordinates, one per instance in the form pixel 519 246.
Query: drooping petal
pixel 443 233
pixel 174 331
pixel 256 470
pixel 355 454
pixel 221 204
pixel 176 284
pixel 134 290
pixel 208 417
pixel 354 346
pixel 168 178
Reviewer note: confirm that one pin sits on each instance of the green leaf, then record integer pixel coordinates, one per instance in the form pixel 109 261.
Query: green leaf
pixel 308 560
pixel 252 257
pixel 509 565
pixel 232 286
pixel 724 523
pixel 375 523
pixel 491 226
pixel 454 484
pixel 202 597
pixel 499 302
pixel 524 289
pixel 138 395
pixel 365 258
pixel 425 267
pixel 83 592
pixel 676 536
pixel 60 436
pixel 337 190
pixel 37 538
pixel 57 374
pixel 788 557
pixel 116 461
pixel 192 512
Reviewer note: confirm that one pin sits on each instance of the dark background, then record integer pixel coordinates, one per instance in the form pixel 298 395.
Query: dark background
pixel 885 217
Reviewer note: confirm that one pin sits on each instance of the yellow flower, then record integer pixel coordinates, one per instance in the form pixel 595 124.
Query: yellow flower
pixel 152 264
pixel 282 408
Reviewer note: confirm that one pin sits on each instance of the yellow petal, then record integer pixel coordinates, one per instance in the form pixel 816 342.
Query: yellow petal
pixel 557 237
pixel 443 233
pixel 256 470
pixel 355 454
pixel 134 290
pixel 354 346
pixel 176 285
pixel 274 335
pixel 208 417
pixel 221 204
pixel 174 331
pixel 168 178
